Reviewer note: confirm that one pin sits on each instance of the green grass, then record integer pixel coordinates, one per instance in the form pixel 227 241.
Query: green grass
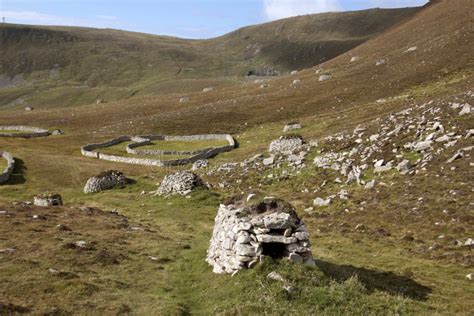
pixel 119 150
pixel 184 145
pixel 3 164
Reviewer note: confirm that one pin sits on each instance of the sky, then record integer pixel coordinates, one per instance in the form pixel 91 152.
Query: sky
pixel 182 18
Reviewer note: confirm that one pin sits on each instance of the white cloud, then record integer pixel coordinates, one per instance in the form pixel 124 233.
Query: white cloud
pixel 278 9
pixel 397 3
pixel 33 17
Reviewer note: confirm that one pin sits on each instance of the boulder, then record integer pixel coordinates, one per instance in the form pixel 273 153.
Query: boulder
pixel 325 77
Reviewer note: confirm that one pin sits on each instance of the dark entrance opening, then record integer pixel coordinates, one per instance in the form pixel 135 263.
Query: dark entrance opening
pixel 274 250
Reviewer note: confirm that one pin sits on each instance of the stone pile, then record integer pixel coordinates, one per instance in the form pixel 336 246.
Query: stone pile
pixel 244 233
pixel 104 181
pixel 181 182
pixel 48 199
pixel 286 144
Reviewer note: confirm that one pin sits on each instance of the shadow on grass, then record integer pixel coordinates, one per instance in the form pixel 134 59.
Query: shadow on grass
pixel 17 176
pixel 376 280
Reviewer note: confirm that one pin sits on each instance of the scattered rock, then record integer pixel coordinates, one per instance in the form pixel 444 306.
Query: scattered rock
pixel 466 109
pixel 404 166
pixel 321 202
pixel 184 99
pixel 370 185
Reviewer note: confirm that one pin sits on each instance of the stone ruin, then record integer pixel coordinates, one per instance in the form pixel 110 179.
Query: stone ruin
pixel 286 144
pixel 244 234
pixel 104 181
pixel 48 199
pixel 181 182
pixel 5 174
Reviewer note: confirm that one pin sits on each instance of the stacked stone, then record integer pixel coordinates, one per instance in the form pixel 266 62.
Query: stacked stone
pixel 244 235
pixel 104 181
pixel 286 144
pixel 5 174
pixel 181 182
pixel 48 199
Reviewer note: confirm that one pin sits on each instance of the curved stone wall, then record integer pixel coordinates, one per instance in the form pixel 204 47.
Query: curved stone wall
pixel 5 174
pixel 88 150
pixel 148 138
pixel 26 131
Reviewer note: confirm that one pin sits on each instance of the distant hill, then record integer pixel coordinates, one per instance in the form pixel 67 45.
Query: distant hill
pixel 80 65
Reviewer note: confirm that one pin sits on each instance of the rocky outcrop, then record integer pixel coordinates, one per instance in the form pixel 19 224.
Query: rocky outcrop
pixel 48 199
pixel 23 131
pixel 6 173
pixel 244 234
pixel 182 183
pixel 105 181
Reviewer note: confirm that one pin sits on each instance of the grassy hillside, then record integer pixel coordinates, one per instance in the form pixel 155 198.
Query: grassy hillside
pixel 80 65
pixel 397 249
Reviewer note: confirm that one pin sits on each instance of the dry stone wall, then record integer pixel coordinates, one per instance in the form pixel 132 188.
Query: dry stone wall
pixel 90 150
pixel 23 131
pixel 6 173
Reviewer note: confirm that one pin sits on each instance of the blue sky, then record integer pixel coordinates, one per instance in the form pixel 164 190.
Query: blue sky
pixel 183 18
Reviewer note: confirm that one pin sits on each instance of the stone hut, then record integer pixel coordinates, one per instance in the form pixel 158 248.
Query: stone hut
pixel 48 199
pixel 104 181
pixel 245 234
pixel 181 182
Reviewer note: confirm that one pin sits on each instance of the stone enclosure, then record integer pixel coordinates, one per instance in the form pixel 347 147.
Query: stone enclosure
pixel 5 174
pixel 244 234
pixel 139 141
pixel 23 131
